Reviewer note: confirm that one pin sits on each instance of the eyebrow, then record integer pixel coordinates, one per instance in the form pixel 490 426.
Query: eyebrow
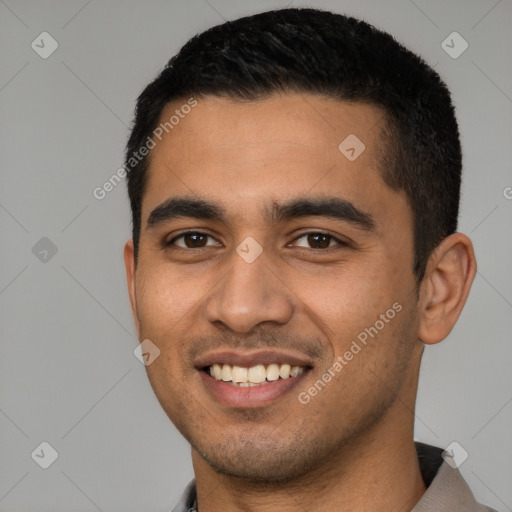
pixel 330 207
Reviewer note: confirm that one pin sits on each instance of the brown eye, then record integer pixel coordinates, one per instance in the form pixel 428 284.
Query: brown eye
pixel 194 240
pixel 191 240
pixel 317 241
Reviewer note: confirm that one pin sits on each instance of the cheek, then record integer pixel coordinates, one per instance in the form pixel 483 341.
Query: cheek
pixel 361 312
pixel 169 305
pixel 350 297
pixel 165 298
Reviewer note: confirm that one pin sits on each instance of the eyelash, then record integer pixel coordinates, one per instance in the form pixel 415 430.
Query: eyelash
pixel 340 243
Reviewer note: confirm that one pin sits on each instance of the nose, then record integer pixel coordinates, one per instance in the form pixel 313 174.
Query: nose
pixel 250 294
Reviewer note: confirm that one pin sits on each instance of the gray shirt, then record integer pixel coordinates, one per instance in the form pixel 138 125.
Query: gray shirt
pixel 446 489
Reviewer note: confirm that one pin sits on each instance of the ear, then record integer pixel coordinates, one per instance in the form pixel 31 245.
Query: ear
pixel 444 289
pixel 129 263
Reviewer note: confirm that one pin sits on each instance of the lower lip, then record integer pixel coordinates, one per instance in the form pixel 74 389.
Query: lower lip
pixel 249 397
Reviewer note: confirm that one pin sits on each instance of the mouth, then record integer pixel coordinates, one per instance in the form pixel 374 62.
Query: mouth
pixel 247 380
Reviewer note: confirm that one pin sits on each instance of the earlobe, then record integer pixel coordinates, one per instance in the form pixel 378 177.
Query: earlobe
pixel 450 271
pixel 129 263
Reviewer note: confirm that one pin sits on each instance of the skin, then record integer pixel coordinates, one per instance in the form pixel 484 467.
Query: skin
pixel 351 447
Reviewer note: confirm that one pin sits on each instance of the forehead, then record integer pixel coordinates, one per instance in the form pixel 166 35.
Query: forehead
pixel 245 153
pixel 300 121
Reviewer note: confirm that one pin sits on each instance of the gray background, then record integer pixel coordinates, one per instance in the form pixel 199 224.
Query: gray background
pixel 68 375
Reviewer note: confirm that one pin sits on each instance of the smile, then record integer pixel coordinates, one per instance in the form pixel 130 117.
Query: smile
pixel 246 379
pixel 257 375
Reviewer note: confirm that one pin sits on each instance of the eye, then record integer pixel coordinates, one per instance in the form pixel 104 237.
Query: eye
pixel 199 240
pixel 318 241
pixel 192 240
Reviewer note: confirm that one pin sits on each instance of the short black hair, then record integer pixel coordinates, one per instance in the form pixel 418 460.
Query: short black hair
pixel 334 56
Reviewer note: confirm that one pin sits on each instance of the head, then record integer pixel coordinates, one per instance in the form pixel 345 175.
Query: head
pixel 298 195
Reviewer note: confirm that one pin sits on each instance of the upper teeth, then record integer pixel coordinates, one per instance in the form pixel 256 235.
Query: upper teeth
pixel 255 374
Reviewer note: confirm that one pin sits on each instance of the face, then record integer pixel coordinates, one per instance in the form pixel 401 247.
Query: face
pixel 265 249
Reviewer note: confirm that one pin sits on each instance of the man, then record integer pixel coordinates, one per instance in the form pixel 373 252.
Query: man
pixel 294 182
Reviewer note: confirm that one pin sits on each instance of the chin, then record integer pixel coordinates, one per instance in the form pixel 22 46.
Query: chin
pixel 263 462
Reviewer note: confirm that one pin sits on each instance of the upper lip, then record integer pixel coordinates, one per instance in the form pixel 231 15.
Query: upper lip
pixel 248 358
